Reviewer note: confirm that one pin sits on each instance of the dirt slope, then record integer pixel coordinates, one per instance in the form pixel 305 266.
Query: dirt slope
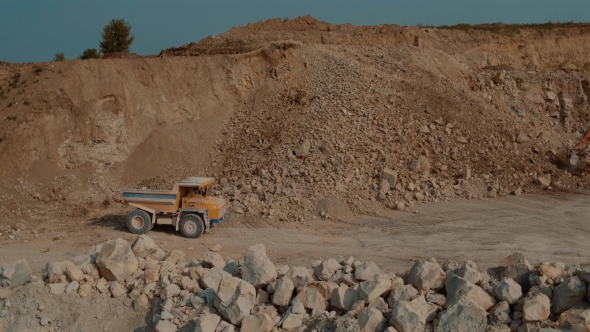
pixel 240 105
pixel 72 130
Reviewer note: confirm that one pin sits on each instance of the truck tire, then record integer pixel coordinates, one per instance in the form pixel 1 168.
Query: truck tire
pixel 192 226
pixel 139 222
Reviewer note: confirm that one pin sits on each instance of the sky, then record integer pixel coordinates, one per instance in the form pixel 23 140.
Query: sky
pixel 35 30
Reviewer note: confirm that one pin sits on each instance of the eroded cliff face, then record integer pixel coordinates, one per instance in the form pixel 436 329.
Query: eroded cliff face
pixel 286 113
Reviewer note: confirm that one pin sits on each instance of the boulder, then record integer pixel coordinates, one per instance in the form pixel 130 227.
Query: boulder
pixel 349 280
pixel 409 316
pixel 234 298
pixel 379 304
pixel 292 321
pixel 462 316
pixel 299 275
pixel 501 307
pixel 282 270
pixel 72 287
pixel 535 279
pixel 575 319
pixel 427 275
pixel 165 326
pixel 74 272
pixel 257 269
pixel 517 267
pixel 435 298
pixel 544 180
pixel 567 294
pixel 583 274
pixel 390 176
pixel 15 273
pixel 374 287
pixel 212 278
pixel 54 270
pixel 302 151
pixel 260 322
pixel 366 271
pixel 339 276
pixel 283 288
pixel 551 272
pixel 311 298
pixel 543 289
pixel 343 298
pixel 175 256
pixel 170 291
pixel 102 285
pixel 157 255
pixel 58 288
pixel 469 272
pixel 458 288
pixel 190 285
pixel 324 287
pixel 152 271
pixel 87 264
pixel 85 290
pixel 94 250
pixel 116 260
pixel 141 304
pixel 118 289
pixel 500 314
pixel 536 308
pixel 371 320
pixel 262 297
pixel 402 293
pixel 143 246
pixel 297 307
pixel 508 290
pixel 384 188
pixel 225 327
pixel 212 259
pixel 232 267
pixel 206 322
pixel 326 270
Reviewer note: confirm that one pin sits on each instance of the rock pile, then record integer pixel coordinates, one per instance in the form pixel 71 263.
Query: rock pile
pixel 342 294
pixel 356 132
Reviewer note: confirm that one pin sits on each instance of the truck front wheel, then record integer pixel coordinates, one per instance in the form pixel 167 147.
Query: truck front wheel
pixel 139 222
pixel 192 226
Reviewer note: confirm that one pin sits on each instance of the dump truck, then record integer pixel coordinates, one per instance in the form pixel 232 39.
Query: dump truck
pixel 189 206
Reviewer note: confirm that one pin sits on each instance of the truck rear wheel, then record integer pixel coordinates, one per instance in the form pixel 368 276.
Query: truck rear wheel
pixel 192 226
pixel 139 222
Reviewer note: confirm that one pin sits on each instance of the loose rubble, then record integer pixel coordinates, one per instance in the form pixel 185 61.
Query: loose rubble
pixel 337 293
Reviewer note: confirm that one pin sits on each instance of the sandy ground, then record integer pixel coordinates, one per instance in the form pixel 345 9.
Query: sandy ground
pixel 546 227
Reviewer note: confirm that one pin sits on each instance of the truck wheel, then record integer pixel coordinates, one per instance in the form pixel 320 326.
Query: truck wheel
pixel 191 226
pixel 139 222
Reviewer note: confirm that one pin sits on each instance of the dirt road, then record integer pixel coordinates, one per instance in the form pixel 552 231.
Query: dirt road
pixel 546 227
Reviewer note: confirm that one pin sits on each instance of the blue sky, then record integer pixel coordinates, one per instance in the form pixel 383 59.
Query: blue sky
pixel 34 30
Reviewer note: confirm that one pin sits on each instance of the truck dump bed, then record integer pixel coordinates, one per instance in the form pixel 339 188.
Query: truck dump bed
pixel 147 196
pixel 159 201
pixel 149 199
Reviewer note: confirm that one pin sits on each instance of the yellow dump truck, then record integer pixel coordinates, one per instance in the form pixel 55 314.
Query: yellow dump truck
pixel 189 207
